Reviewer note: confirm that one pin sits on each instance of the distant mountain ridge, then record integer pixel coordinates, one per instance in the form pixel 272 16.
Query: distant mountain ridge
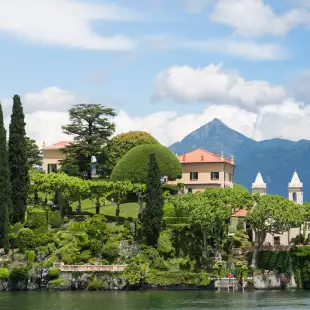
pixel 276 158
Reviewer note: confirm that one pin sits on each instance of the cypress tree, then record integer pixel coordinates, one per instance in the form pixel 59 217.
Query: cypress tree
pixel 6 228
pixel 5 186
pixel 153 213
pixel 18 160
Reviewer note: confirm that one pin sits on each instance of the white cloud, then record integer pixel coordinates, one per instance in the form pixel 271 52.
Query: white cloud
pixel 255 18
pixel 212 84
pixel 63 22
pixel 250 50
pixel 291 120
pixel 288 119
pixel 169 127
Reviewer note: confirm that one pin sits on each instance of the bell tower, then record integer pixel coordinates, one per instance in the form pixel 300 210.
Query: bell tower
pixel 295 189
pixel 259 186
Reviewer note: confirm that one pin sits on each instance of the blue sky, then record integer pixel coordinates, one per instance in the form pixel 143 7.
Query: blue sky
pixel 167 67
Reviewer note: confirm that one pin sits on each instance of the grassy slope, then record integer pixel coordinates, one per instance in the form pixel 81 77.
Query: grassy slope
pixel 127 209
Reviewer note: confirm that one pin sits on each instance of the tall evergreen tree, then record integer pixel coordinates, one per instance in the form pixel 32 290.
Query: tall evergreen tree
pixel 5 186
pixel 18 160
pixel 91 126
pixel 153 213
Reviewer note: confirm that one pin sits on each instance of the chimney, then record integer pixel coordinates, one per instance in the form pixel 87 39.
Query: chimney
pixel 43 145
pixel 184 157
pixel 202 158
pixel 231 160
pixel 222 156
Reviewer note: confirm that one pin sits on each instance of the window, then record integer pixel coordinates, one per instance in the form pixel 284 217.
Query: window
pixel 230 178
pixel 295 197
pixel 276 240
pixel 190 190
pixel 194 176
pixel 51 168
pixel 215 175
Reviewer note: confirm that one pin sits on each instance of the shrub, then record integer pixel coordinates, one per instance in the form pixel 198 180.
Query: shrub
pixel 50 261
pixel 19 273
pixel 4 274
pixel 185 264
pixel 134 165
pixel 84 256
pixel 37 218
pixel 165 246
pixel 26 239
pixel 53 272
pixel 65 219
pixel 135 272
pixel 56 283
pixel 31 256
pixel 96 246
pixel 122 143
pixel 175 278
pixel 110 250
pixel 17 227
pixel 95 285
pixel 56 220
pixel 152 257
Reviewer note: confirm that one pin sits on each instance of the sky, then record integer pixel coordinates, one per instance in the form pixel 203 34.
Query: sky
pixel 166 66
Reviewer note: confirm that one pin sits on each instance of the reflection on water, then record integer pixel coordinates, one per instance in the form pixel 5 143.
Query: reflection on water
pixel 155 300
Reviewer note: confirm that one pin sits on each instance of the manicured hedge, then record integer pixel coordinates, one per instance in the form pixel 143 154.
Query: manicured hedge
pixel 175 220
pixel 134 165
pixel 4 274
pixel 37 217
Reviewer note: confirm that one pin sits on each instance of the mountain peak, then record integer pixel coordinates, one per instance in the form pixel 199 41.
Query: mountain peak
pixel 216 121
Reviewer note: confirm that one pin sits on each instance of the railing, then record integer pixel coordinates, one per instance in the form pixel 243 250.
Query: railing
pixel 98 268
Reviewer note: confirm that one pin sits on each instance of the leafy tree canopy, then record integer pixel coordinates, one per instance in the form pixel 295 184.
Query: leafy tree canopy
pixel 91 126
pixel 34 155
pixel 123 143
pixel 134 165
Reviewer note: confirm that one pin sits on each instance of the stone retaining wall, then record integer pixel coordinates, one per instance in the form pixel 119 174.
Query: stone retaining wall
pixel 93 268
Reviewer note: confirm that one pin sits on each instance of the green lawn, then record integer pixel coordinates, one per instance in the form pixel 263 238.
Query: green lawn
pixel 130 209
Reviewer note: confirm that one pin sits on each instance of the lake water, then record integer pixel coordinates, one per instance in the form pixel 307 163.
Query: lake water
pixel 155 300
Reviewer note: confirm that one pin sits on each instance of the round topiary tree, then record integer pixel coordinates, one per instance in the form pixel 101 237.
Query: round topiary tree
pixel 134 165
pixel 123 143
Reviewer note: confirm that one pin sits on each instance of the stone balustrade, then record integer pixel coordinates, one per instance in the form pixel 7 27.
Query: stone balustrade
pixel 87 268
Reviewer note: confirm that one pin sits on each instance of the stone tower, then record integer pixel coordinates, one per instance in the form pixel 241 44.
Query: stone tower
pixel 295 189
pixel 259 186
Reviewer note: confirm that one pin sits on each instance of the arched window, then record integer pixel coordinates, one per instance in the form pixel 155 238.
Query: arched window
pixel 295 197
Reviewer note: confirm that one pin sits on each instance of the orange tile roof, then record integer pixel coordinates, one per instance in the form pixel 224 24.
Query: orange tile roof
pixel 57 146
pixel 240 213
pixel 201 156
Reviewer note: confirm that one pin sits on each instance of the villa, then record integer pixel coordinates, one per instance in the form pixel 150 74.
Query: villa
pixel 202 169
pixel 52 156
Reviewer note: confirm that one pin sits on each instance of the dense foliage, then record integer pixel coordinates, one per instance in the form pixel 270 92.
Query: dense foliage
pixel 34 155
pixel 124 142
pixel 18 160
pixel 5 186
pixel 153 213
pixel 134 165
pixel 91 126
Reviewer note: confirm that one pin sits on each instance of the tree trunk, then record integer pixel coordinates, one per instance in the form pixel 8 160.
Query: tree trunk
pixel 97 205
pixel 204 240
pixel 117 212
pixel 255 252
pixel 140 208
pixel 13 247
